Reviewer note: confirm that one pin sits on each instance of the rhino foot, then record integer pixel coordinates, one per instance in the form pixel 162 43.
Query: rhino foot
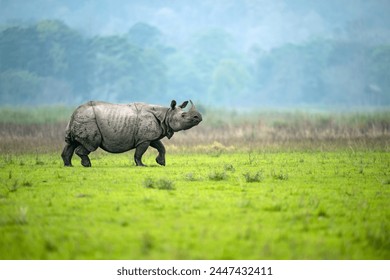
pixel 158 145
pixel 83 154
pixel 86 162
pixel 140 164
pixel 160 160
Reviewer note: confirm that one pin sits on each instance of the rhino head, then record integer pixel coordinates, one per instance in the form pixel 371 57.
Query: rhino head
pixel 177 119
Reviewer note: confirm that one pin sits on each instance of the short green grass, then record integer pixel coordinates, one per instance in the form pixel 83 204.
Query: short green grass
pixel 261 205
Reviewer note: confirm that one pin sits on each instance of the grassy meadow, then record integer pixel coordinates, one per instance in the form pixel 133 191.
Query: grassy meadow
pixel 276 185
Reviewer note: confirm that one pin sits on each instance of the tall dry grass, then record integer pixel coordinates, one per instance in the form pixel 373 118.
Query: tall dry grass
pixel 22 138
pixel 224 131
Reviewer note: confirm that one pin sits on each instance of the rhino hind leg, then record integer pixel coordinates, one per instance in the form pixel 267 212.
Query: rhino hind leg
pixel 83 153
pixel 158 145
pixel 67 153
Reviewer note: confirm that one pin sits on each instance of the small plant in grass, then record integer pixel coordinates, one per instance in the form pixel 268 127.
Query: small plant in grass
pixel 217 176
pixel 229 167
pixel 38 161
pixel 386 181
pixel 165 184
pixel 161 184
pixel 280 176
pixel 190 177
pixel 14 187
pixel 27 184
pixel 21 217
pixel 149 183
pixel 253 177
pixel 321 213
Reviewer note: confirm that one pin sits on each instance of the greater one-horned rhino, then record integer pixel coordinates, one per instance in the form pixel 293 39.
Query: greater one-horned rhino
pixel 118 128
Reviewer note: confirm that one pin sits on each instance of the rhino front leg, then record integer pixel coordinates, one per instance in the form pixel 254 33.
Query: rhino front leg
pixel 83 153
pixel 139 151
pixel 158 145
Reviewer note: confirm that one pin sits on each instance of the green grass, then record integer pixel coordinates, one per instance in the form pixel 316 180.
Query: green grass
pixel 262 205
pixel 35 115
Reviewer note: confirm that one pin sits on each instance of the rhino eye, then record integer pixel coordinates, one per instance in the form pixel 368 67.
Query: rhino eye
pixel 183 115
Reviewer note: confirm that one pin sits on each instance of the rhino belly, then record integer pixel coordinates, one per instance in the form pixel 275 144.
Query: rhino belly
pixel 118 141
pixel 118 127
pixel 124 127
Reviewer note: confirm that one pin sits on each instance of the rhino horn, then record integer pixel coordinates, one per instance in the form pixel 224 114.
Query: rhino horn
pixel 193 108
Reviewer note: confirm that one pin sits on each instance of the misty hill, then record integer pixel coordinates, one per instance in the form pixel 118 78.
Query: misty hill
pixel 227 53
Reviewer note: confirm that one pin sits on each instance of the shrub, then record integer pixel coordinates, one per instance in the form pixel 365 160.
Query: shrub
pixel 161 184
pixel 253 177
pixel 229 167
pixel 217 176
pixel 165 184
pixel 149 183
pixel 27 184
pixel 190 177
pixel 280 176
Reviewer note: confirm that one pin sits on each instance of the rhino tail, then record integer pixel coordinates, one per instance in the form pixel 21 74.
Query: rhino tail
pixel 68 136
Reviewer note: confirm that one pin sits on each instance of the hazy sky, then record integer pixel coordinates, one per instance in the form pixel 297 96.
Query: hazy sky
pixel 261 22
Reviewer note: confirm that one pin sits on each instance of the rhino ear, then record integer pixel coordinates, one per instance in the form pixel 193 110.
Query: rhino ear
pixel 184 104
pixel 173 104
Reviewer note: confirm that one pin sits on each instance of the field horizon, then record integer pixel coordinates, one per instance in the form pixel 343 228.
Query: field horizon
pixel 42 129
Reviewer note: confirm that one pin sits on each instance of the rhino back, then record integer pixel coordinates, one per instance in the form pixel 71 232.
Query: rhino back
pixel 125 126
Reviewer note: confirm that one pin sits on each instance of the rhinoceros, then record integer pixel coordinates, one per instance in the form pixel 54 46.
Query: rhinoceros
pixel 118 128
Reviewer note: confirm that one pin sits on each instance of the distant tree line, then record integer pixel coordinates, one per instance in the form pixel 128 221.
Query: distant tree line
pixel 49 63
pixel 327 72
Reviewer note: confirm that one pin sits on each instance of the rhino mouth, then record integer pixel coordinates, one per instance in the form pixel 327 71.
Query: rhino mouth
pixel 195 120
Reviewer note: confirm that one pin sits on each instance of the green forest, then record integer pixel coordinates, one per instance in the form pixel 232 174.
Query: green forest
pixel 48 62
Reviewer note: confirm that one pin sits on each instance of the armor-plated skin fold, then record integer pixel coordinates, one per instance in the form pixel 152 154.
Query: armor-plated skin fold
pixel 118 128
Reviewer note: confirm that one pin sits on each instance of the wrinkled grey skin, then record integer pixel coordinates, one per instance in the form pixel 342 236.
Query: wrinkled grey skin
pixel 118 128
